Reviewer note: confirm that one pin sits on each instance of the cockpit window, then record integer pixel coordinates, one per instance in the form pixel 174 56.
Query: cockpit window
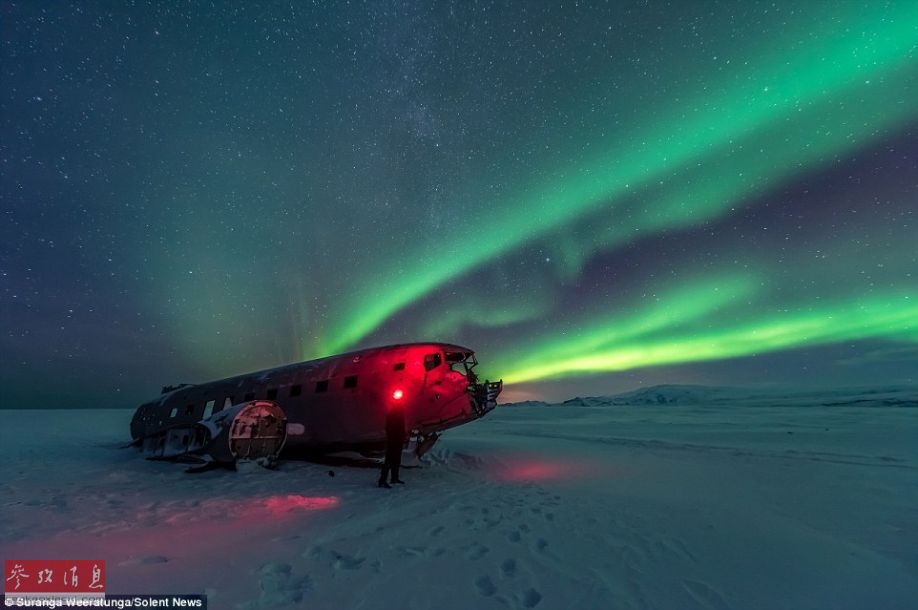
pixel 432 361
pixel 462 362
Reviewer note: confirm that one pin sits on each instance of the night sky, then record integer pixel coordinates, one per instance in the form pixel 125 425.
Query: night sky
pixel 593 196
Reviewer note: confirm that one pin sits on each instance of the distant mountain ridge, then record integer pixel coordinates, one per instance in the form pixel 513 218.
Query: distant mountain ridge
pixel 687 395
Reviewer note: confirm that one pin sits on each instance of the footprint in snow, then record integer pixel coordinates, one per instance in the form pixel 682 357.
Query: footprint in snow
pixel 151 559
pixel 529 598
pixel 476 551
pixel 278 586
pixel 346 562
pixel 337 560
pixel 508 568
pixel 485 587
pixel 412 551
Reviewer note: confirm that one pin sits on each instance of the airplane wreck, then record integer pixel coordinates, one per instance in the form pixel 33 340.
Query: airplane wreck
pixel 332 404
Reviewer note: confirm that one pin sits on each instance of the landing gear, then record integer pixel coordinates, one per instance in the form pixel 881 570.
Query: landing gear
pixel 424 443
pixel 418 444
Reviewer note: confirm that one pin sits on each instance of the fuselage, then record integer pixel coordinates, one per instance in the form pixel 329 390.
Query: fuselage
pixel 339 402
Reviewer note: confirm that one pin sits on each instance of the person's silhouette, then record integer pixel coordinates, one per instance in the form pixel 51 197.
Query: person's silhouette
pixel 395 438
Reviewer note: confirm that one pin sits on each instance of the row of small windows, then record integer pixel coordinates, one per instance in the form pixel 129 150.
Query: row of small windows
pixel 295 390
pixel 349 382
pixel 431 361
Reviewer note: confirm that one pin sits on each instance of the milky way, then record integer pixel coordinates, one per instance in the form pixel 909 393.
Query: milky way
pixel 591 197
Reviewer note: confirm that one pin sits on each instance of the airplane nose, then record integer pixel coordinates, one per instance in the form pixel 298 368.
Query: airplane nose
pixel 484 396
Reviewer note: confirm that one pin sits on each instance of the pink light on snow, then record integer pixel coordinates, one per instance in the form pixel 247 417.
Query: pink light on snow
pixel 534 471
pixel 285 504
pixel 522 468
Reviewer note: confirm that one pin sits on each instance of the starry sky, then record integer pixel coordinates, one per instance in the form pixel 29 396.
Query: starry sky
pixel 594 196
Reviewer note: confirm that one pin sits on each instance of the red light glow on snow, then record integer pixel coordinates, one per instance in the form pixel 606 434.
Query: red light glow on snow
pixel 539 468
pixel 398 395
pixel 168 532
pixel 534 471
pixel 288 503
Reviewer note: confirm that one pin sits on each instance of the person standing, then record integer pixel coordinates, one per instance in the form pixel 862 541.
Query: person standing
pixel 395 439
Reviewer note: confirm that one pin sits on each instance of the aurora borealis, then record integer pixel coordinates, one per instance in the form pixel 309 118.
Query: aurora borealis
pixel 592 196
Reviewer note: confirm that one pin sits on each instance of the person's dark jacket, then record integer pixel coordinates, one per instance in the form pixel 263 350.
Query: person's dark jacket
pixel 395 426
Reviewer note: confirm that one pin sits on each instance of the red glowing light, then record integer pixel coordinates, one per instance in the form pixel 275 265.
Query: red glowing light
pixel 398 395
pixel 540 468
pixel 285 504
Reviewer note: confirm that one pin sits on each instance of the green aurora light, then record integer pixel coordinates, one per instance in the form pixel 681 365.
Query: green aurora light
pixel 690 326
pixel 792 112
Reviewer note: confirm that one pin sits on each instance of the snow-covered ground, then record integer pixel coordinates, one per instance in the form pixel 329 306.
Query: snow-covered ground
pixel 644 506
